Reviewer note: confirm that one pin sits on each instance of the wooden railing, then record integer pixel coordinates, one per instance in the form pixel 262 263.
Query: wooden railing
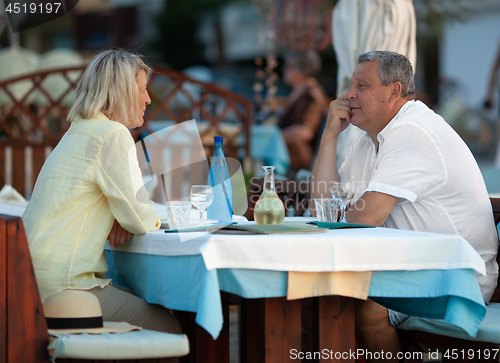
pixel 33 118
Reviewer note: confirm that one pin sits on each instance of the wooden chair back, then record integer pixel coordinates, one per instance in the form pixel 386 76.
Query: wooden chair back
pixel 293 194
pixel 495 204
pixel 23 328
pixel 32 124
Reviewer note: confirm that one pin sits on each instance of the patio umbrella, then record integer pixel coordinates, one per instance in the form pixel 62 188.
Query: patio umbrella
pixel 360 26
pixel 17 62
pixel 56 84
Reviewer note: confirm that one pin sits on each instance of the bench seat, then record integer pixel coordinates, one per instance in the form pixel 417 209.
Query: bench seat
pixel 140 344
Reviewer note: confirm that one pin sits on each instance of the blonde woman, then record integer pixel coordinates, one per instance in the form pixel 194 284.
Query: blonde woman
pixel 86 191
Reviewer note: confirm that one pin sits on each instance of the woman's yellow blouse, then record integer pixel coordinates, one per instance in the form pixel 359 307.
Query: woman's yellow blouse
pixel 90 179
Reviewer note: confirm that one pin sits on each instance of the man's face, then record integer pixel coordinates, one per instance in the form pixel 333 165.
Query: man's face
pixel 368 98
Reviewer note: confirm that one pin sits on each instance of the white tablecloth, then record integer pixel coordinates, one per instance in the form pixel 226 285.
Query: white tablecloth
pixel 365 249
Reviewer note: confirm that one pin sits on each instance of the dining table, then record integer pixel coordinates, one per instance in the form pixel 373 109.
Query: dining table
pixel 418 273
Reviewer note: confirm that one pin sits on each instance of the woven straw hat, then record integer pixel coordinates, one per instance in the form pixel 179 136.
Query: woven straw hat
pixel 79 311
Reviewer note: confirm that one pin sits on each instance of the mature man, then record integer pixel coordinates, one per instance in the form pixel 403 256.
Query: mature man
pixel 409 169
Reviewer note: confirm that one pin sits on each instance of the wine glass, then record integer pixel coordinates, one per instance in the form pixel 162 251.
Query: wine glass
pixel 343 192
pixel 201 197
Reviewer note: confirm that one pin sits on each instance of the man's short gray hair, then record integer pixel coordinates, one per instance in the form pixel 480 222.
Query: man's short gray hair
pixel 109 85
pixel 393 67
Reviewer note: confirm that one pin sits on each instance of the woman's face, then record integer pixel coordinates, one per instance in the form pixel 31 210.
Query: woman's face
pixel 144 100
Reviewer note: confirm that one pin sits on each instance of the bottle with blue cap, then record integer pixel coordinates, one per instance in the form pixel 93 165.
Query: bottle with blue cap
pixel 218 177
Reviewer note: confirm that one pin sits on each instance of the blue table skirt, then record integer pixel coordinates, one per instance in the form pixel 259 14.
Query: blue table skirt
pixel 183 283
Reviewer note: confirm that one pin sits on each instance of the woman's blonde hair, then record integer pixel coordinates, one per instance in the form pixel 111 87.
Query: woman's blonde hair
pixel 109 85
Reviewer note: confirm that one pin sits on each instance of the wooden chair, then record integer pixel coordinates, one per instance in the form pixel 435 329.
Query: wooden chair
pixel 293 194
pixel 448 339
pixel 23 329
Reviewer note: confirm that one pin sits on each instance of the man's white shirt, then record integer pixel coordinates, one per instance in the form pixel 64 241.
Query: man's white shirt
pixel 424 162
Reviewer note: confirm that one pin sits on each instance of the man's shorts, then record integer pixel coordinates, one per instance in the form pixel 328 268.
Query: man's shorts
pixel 396 318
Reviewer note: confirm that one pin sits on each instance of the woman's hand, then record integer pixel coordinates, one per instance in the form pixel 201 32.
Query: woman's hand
pixel 118 235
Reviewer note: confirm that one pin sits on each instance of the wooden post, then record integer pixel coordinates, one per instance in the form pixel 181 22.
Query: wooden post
pixel 186 320
pixel 270 329
pixel 251 334
pixel 214 351
pixel 203 348
pixel 3 291
pixel 336 328
pixel 282 329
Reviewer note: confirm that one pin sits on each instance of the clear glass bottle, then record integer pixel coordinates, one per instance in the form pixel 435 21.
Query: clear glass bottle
pixel 221 208
pixel 269 209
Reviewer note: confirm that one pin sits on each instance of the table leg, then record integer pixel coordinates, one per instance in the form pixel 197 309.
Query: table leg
pixel 282 329
pixel 250 329
pixel 336 328
pixel 202 346
pixel 270 329
pixel 186 319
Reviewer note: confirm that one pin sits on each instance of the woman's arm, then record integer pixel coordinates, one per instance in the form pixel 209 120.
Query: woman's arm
pixel 120 179
pixel 118 235
pixel 299 136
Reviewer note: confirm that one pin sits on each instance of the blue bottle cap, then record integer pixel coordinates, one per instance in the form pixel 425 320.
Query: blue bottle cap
pixel 218 138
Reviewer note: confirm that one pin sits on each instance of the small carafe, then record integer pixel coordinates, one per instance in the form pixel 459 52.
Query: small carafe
pixel 269 208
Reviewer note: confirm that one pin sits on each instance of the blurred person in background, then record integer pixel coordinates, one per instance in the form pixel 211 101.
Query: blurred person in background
pixel 87 192
pixel 492 95
pixel 305 108
pixel 493 81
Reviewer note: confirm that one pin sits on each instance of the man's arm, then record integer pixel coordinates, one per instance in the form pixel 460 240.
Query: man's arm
pixel 325 167
pixel 371 209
